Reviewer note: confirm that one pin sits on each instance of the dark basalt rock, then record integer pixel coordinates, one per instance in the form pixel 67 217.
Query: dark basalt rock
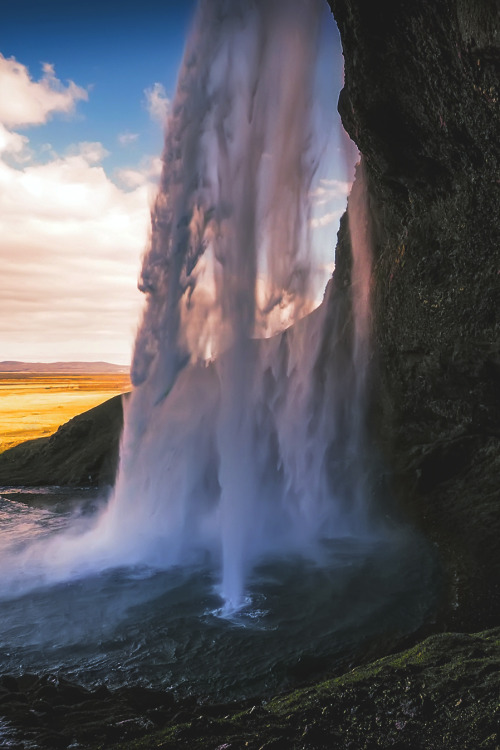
pixel 421 100
pixel 443 693
pixel 82 453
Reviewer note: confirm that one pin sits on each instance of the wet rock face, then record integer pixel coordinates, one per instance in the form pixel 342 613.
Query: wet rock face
pixel 421 100
pixel 441 694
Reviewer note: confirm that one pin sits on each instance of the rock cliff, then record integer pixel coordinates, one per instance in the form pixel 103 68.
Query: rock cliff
pixel 421 101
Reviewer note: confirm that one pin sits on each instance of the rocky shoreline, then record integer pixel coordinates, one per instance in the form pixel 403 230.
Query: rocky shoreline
pixel 440 694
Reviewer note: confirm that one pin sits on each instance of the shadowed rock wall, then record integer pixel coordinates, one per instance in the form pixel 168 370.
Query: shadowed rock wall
pixel 421 101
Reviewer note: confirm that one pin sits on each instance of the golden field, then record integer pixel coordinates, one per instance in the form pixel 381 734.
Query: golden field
pixel 34 405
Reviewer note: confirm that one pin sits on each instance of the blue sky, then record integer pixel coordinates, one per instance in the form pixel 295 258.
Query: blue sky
pixel 83 93
pixel 115 50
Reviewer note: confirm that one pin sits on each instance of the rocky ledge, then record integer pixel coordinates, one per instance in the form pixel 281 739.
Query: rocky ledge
pixel 441 694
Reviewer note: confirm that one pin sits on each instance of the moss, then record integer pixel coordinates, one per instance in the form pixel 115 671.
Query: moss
pixel 442 693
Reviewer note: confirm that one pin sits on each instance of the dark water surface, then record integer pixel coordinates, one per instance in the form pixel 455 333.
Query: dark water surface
pixel 167 628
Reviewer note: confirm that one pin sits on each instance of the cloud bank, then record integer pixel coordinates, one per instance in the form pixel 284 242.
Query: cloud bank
pixel 71 237
pixel 27 102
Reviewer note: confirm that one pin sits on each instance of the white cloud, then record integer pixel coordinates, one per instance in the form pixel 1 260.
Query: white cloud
pixel 326 219
pixel 329 190
pixel 93 152
pixel 125 139
pixel 24 101
pixel 70 257
pixel 14 144
pixel 148 171
pixel 157 102
pixel 71 238
pixel 329 201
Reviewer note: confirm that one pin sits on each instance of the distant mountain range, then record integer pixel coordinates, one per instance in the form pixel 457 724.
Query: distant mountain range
pixel 63 367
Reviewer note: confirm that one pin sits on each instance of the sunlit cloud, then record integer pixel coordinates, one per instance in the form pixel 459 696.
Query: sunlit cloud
pixel 92 152
pixel 125 139
pixel 24 101
pixel 14 144
pixel 148 171
pixel 325 219
pixel 71 243
pixel 72 237
pixel 328 200
pixel 157 103
pixel 329 190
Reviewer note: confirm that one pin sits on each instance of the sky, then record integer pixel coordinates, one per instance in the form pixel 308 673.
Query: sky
pixel 84 93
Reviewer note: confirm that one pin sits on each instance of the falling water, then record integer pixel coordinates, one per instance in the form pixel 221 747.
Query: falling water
pixel 243 436
pixel 244 460
pixel 224 442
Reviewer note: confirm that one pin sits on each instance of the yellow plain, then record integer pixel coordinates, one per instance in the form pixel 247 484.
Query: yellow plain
pixel 34 405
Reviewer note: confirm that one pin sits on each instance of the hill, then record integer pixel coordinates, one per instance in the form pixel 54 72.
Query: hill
pixel 83 452
pixel 73 367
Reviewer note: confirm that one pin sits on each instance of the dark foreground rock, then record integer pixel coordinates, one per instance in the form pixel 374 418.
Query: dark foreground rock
pixel 441 694
pixel 83 452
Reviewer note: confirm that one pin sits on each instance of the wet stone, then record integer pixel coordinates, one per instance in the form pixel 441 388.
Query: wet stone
pixel 13 698
pixel 279 743
pixel 9 683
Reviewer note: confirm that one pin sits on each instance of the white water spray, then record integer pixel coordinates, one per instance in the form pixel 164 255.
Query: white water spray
pixel 237 443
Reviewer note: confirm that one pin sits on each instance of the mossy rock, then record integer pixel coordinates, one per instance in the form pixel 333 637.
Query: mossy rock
pixel 444 693
pixel 82 453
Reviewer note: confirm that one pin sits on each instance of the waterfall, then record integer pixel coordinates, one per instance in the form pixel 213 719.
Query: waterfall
pixel 243 436
pixel 240 550
pixel 227 445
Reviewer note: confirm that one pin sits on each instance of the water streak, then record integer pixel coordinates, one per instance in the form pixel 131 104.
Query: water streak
pixel 230 260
